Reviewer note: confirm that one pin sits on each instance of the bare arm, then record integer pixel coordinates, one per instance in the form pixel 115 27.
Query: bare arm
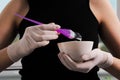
pixel 8 28
pixel 110 28
pixel 114 69
pixel 4 59
pixel 109 32
pixel 9 23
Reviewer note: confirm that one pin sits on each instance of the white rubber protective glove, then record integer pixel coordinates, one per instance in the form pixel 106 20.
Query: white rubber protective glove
pixel 34 37
pixel 95 58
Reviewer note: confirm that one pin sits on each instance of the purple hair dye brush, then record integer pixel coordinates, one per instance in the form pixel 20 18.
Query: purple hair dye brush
pixel 70 34
pixel 66 32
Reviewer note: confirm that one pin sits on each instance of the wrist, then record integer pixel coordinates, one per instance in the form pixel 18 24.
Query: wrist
pixel 13 51
pixel 108 60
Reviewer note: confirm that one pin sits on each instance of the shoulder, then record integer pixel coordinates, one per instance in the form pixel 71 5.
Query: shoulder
pixel 102 7
pixel 99 2
pixel 16 6
pixel 18 3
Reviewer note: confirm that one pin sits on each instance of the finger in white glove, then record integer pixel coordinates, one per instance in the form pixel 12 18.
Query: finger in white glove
pixel 75 66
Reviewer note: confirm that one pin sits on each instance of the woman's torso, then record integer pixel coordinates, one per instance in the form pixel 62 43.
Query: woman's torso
pixel 75 15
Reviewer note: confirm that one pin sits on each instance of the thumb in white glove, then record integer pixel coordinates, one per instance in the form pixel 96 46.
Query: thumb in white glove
pixel 95 58
pixel 34 37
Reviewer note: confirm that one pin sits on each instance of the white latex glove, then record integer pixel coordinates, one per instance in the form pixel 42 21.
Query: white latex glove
pixel 95 58
pixel 34 37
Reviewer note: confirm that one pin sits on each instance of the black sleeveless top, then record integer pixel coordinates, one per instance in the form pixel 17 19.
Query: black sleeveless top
pixel 43 63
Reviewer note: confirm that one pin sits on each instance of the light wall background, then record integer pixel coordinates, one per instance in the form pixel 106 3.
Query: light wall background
pixel 3 4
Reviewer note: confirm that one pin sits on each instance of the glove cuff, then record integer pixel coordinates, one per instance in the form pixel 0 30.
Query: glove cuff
pixel 12 51
pixel 108 62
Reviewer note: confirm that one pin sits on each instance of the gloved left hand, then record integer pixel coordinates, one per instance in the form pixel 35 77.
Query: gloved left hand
pixel 96 57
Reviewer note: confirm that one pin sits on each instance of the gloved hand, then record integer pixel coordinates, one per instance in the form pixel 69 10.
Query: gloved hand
pixel 95 58
pixel 34 37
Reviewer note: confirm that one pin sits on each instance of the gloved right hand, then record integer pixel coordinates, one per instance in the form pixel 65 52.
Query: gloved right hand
pixel 34 37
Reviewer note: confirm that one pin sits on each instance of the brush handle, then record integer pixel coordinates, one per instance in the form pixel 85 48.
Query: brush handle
pixel 65 32
pixel 30 20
